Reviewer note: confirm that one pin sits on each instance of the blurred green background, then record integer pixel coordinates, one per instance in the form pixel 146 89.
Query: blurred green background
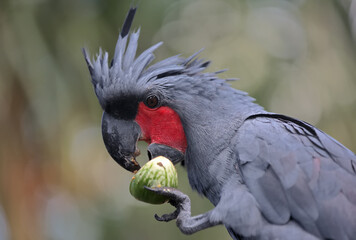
pixel 295 57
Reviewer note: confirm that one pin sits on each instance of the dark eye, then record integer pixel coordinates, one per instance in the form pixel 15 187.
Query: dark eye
pixel 152 101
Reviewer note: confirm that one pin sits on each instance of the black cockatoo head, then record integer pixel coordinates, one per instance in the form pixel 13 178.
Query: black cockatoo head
pixel 153 103
pixel 133 99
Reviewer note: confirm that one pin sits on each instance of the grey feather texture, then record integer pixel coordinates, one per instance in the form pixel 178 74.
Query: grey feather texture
pixel 319 191
pixel 270 176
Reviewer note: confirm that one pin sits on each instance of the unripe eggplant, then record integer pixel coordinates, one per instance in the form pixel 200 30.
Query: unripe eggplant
pixel 158 172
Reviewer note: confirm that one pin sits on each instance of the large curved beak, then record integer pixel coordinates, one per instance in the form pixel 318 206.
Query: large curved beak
pixel 120 138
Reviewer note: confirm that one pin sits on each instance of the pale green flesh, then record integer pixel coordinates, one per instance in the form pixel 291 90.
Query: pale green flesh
pixel 159 172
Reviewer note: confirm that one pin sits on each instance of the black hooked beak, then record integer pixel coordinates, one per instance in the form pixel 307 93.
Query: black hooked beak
pixel 120 138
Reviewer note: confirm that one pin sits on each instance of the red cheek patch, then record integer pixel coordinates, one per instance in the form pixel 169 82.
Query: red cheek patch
pixel 161 125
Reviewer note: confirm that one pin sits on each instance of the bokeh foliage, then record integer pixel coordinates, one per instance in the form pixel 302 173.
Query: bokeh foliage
pixel 295 57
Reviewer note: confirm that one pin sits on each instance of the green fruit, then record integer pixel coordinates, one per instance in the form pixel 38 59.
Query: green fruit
pixel 159 172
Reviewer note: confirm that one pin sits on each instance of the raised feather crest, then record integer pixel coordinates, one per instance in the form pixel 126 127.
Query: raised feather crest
pixel 127 72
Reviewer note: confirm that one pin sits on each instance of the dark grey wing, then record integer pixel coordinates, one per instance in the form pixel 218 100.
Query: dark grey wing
pixel 296 172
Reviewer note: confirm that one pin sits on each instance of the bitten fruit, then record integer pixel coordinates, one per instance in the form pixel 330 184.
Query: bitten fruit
pixel 158 172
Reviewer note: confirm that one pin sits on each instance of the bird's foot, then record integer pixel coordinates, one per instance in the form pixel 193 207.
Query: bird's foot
pixel 181 202
pixel 176 198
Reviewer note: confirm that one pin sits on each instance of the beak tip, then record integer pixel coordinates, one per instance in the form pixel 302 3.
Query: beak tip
pixel 136 165
pixel 130 164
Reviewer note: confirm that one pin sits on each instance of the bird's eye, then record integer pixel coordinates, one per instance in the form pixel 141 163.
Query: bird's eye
pixel 152 101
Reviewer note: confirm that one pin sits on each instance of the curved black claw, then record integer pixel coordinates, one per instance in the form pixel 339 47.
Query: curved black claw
pixel 167 217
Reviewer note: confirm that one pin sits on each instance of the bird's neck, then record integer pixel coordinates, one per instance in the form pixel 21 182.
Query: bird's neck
pixel 209 133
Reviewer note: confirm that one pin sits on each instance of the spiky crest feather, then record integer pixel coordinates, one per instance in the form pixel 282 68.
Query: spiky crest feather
pixel 126 72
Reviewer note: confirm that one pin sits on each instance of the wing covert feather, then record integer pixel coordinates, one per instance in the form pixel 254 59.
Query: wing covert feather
pixel 296 171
